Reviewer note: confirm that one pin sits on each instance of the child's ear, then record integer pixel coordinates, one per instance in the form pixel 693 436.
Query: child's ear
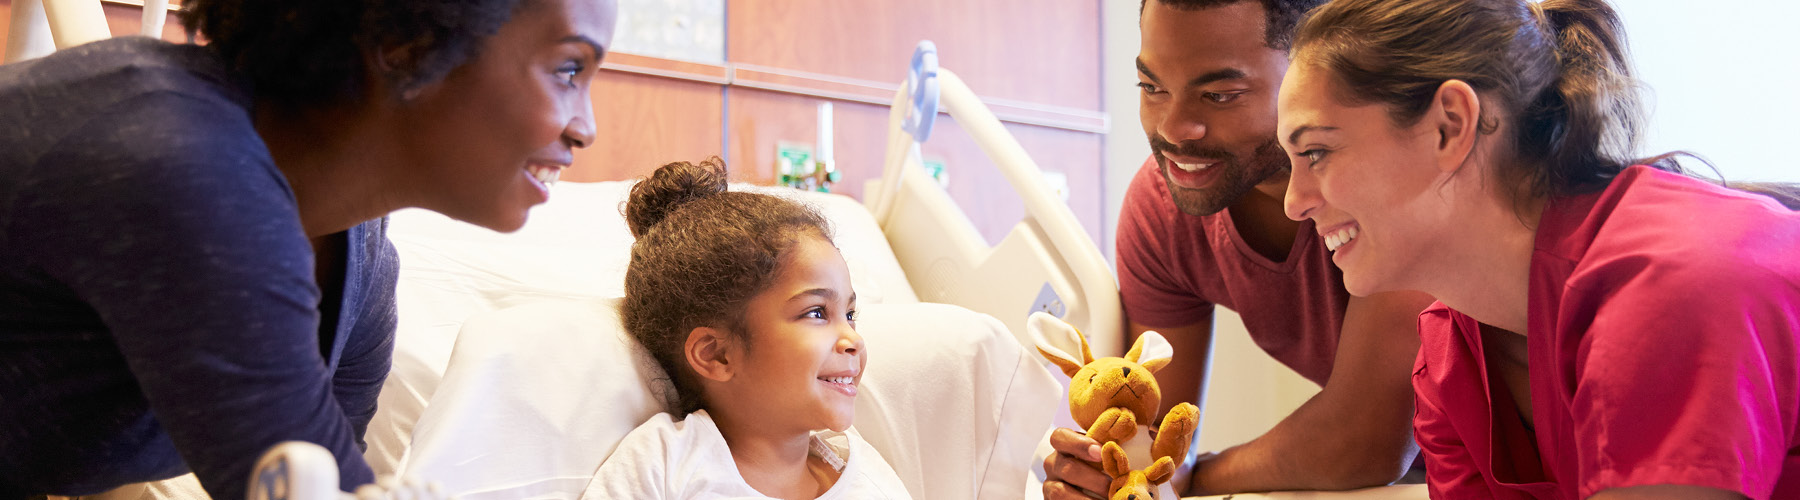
pixel 709 353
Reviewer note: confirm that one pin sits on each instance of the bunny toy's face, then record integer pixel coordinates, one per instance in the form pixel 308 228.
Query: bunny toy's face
pixel 1113 383
pixel 1132 484
pixel 1132 487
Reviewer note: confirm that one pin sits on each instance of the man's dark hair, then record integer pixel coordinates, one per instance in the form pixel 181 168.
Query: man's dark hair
pixel 307 52
pixel 1282 16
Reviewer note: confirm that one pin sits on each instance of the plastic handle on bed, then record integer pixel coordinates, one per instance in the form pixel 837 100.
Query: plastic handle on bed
pixel 922 80
pixel 298 470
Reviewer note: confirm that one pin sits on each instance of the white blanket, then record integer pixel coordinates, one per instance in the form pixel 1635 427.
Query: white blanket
pixel 535 397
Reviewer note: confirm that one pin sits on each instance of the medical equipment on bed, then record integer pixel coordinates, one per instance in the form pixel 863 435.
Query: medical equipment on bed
pixel 298 470
pixel 1046 263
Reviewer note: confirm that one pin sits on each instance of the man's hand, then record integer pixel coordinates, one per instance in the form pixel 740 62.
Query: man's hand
pixel 1356 432
pixel 1073 472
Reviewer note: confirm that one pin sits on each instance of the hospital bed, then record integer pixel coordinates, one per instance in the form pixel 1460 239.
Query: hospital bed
pixel 513 379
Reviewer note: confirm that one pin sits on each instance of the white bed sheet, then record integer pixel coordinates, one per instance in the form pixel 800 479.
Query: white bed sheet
pixel 574 246
pixel 537 396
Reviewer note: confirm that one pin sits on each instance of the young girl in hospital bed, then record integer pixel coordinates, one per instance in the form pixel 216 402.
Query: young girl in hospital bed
pixel 745 303
pixel 1608 327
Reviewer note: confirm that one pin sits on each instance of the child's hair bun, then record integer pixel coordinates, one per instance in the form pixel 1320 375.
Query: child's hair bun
pixel 670 187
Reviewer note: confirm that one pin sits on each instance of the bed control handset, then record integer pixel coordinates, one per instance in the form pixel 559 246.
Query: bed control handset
pixel 298 470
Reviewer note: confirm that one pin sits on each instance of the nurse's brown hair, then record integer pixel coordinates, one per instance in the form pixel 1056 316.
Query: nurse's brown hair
pixel 702 252
pixel 1558 71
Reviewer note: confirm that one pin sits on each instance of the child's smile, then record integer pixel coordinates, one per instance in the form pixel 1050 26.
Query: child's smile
pixel 804 358
pixel 843 381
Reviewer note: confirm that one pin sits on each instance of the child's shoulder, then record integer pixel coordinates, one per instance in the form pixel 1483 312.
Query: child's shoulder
pixel 667 458
pixel 663 432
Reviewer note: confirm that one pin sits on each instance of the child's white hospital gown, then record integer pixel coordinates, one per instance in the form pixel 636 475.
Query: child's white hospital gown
pixel 689 460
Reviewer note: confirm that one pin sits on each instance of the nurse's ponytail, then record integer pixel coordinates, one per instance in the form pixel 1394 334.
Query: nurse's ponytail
pixel 1558 71
pixel 1590 120
pixel 1584 125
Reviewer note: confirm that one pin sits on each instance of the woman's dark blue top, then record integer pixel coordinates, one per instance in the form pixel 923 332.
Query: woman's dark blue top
pixel 158 305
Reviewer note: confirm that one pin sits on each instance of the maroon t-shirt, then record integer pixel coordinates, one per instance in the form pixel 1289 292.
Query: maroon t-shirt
pixel 1173 267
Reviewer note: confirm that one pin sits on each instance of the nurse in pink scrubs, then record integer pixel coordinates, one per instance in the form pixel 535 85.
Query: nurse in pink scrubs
pixel 1608 326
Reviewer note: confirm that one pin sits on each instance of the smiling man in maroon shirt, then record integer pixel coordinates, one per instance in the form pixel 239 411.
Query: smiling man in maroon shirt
pixel 1203 225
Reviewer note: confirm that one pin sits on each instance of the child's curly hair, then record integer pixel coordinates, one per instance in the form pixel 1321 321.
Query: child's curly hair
pixel 702 252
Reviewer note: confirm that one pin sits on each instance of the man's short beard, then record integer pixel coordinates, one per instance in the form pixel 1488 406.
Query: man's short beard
pixel 1239 177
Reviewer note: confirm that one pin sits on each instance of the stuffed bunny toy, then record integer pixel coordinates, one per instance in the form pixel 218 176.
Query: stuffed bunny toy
pixel 1116 399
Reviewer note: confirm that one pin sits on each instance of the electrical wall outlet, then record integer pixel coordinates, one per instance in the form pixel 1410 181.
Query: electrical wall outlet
pixel 1058 183
pixel 1047 301
pixel 938 172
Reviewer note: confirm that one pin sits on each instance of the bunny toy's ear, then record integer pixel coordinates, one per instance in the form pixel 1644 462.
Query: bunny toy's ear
pixel 1054 337
pixel 1151 350
pixel 1161 471
pixel 1113 460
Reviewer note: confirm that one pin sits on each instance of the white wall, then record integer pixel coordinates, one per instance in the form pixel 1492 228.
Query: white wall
pixel 1721 80
pixel 1126 147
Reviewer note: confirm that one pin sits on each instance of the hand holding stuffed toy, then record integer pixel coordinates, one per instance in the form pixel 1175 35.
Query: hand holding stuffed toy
pixel 1116 399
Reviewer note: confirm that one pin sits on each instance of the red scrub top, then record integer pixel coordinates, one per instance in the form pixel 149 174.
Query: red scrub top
pixel 1664 315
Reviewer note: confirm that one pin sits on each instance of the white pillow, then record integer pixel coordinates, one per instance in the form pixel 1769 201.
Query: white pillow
pixel 574 246
pixel 536 396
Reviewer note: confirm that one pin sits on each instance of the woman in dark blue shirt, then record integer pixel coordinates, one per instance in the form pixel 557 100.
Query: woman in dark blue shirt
pixel 193 259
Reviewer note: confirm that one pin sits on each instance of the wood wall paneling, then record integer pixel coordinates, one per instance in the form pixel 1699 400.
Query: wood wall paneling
pixel 5 24
pixel 987 198
pixel 646 121
pixel 1044 52
pixel 1030 53
pixel 760 119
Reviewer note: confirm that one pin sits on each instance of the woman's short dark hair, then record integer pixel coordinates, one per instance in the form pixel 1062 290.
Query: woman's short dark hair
pixel 306 52
pixel 702 253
